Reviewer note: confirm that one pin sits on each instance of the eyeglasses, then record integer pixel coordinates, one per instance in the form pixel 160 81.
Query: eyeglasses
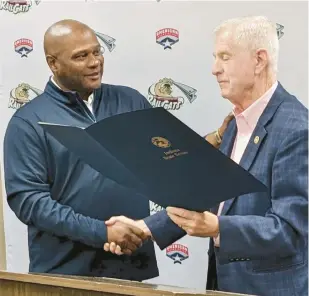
pixel 102 49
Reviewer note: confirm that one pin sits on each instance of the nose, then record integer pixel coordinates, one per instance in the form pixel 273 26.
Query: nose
pixel 95 61
pixel 216 68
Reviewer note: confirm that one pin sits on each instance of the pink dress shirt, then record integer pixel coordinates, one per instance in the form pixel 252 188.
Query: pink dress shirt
pixel 246 122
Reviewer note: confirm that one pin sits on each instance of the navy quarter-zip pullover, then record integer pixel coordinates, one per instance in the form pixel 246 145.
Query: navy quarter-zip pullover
pixel 62 200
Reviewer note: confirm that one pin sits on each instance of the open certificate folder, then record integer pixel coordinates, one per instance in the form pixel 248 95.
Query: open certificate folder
pixel 154 153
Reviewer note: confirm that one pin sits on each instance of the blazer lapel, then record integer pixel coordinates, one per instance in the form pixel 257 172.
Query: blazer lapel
pixel 227 144
pixel 257 138
pixel 247 159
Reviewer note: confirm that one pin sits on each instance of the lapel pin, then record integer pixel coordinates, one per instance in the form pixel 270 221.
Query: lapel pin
pixel 256 139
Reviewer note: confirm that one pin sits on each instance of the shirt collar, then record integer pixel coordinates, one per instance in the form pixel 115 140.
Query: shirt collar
pixel 90 98
pixel 252 114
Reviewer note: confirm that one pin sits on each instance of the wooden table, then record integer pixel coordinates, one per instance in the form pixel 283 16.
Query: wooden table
pixel 26 284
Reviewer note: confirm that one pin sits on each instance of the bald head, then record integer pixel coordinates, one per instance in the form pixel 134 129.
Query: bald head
pixel 63 32
pixel 75 56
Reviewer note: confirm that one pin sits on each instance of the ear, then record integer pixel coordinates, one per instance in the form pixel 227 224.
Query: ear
pixel 52 63
pixel 262 60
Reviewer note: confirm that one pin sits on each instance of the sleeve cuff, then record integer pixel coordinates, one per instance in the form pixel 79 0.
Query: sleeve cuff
pixel 164 231
pixel 99 234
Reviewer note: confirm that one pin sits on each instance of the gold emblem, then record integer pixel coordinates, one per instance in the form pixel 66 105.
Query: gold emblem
pixel 170 153
pixel 160 142
pixel 256 139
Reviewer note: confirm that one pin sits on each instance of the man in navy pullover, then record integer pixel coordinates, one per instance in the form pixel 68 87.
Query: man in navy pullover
pixel 62 200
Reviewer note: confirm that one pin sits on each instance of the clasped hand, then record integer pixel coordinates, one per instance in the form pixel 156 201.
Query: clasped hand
pixel 204 224
pixel 125 235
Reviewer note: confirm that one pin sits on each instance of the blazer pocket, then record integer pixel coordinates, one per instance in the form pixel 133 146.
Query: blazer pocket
pixel 277 264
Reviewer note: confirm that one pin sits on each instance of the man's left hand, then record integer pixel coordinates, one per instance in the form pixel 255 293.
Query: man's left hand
pixel 203 224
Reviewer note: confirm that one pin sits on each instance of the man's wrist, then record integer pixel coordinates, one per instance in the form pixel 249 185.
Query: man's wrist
pixel 143 226
pixel 216 232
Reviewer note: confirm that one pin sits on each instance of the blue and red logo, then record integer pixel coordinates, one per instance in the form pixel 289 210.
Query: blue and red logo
pixel 23 46
pixel 167 37
pixel 177 253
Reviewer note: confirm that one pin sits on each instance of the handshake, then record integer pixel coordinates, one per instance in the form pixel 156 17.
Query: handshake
pixel 125 235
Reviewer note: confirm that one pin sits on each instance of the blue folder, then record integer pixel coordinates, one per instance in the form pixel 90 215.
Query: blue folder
pixel 157 155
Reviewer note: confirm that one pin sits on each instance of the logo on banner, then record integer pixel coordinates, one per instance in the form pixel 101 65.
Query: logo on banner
pixel 169 94
pixel 177 253
pixel 154 208
pixel 22 94
pixel 23 46
pixel 280 32
pixel 167 37
pixel 18 6
pixel 106 41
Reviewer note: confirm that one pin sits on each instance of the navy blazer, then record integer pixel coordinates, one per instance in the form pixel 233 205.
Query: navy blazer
pixel 263 236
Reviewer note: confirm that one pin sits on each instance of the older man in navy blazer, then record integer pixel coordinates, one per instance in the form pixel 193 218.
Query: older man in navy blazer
pixel 258 241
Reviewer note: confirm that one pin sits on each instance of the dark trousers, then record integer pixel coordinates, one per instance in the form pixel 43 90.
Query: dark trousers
pixel 212 279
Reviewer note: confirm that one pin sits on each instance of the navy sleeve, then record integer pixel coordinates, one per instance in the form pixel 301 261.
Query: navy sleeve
pixel 28 192
pixel 143 102
pixel 164 231
pixel 285 224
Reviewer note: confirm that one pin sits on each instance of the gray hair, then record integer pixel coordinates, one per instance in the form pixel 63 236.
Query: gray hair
pixel 254 32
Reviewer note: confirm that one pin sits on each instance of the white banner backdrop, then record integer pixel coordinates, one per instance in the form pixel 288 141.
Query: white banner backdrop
pixel 147 44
